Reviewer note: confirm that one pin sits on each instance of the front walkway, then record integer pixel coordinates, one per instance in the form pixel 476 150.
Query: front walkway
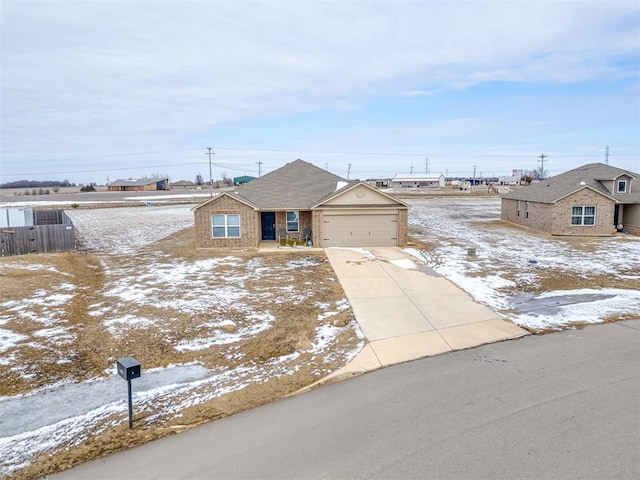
pixel 407 314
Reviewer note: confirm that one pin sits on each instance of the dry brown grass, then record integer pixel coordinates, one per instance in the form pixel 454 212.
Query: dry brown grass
pixel 94 349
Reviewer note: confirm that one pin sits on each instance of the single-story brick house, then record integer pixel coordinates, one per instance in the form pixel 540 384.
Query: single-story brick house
pixel 302 201
pixel 592 200
pixel 139 184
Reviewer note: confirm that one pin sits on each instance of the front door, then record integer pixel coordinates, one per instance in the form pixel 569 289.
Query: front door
pixel 268 220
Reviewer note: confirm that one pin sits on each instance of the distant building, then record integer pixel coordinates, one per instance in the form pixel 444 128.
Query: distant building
pixel 141 184
pixel 182 185
pixel 418 181
pixel 513 180
pixel 241 180
pixel 378 182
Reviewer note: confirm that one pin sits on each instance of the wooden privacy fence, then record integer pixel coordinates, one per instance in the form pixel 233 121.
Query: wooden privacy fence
pixel 52 232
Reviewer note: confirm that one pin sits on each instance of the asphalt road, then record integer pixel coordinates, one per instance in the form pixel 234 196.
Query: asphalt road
pixel 564 405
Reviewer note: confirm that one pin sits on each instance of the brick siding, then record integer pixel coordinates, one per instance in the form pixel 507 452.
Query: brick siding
pixel 250 233
pixel 555 218
pixel 539 217
pixel 317 222
pixel 584 198
pixel 250 228
pixel 403 227
pixel 304 221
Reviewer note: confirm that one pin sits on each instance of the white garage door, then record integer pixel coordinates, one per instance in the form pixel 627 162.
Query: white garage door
pixel 360 230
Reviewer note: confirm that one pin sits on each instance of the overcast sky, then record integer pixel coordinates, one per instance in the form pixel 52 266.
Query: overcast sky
pixel 97 89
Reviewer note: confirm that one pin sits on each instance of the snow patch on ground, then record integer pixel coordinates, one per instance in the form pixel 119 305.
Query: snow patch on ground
pixel 362 251
pixel 550 309
pixel 9 339
pixel 43 420
pixel 340 306
pixel 259 323
pixel 129 227
pixel 469 247
pixel 404 263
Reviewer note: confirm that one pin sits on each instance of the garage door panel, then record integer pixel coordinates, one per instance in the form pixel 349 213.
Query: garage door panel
pixel 360 230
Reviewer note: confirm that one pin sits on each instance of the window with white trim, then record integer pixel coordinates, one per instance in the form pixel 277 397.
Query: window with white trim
pixel 293 221
pixel 517 208
pixel 583 216
pixel 225 226
pixel 526 210
pixel 622 186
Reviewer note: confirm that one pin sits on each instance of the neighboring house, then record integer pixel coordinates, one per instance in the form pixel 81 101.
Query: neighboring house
pixel 416 181
pixel 140 184
pixel 241 180
pixel 304 202
pixel 594 199
pixel 182 185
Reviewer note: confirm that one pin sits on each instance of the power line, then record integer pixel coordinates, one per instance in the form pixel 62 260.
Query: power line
pixel 243 167
pixel 210 176
pixel 542 157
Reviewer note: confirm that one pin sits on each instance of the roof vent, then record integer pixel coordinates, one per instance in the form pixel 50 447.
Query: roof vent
pixel 582 183
pixel 341 184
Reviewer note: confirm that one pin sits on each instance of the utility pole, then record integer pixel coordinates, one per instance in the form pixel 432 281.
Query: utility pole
pixel 210 175
pixel 426 166
pixel 542 157
pixel 348 171
pixel 474 176
pixel 259 168
pixel 411 171
pixel 606 156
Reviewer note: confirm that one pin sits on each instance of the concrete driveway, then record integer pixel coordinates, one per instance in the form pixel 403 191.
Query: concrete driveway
pixel 407 311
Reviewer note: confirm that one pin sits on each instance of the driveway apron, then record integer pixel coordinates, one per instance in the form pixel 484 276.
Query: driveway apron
pixel 406 311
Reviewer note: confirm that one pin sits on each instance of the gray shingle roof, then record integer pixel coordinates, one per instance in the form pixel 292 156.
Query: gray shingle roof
pixel 591 175
pixel 296 186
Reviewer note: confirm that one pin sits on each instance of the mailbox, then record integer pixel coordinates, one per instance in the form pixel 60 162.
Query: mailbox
pixel 128 368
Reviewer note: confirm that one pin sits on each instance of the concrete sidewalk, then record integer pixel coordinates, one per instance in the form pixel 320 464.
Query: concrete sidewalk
pixel 407 314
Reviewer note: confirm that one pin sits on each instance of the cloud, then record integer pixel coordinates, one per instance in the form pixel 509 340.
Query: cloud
pixel 85 76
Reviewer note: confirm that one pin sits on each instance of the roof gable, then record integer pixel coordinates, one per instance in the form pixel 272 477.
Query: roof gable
pixel 297 186
pixel 218 196
pixel 360 194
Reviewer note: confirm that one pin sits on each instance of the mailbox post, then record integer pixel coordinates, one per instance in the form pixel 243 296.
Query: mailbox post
pixel 129 368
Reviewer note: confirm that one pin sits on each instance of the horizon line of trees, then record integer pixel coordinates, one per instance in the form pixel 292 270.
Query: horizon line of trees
pixel 38 184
